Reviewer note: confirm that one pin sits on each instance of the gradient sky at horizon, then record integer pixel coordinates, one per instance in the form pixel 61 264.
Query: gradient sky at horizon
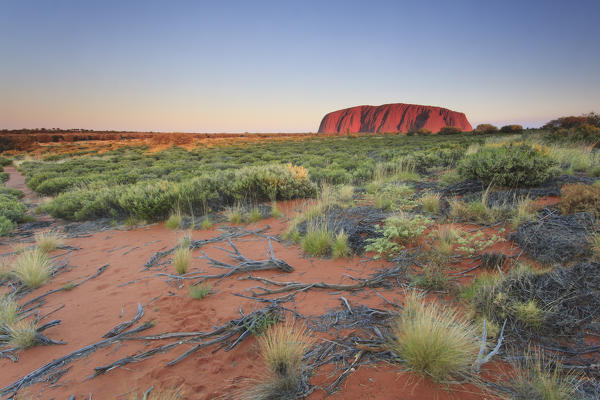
pixel 279 66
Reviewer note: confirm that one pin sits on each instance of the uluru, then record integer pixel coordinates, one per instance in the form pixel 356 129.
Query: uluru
pixel 392 118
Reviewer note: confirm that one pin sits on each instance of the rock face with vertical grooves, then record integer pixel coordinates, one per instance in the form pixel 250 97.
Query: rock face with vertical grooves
pixel 391 118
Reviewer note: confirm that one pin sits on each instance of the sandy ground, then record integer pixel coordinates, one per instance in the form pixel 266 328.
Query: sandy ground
pixel 89 311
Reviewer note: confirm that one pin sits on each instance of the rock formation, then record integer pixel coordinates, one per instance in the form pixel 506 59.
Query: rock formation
pixel 390 118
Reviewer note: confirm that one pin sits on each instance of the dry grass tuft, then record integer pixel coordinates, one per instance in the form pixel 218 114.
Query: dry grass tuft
pixel 8 311
pixel 535 376
pixel 47 241
pixel 32 268
pixel 433 340
pixel 431 203
pixel 22 334
pixel 182 257
pixel 282 348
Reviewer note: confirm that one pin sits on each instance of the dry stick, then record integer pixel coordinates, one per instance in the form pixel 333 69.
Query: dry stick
pixel 98 272
pixel 245 264
pixel 195 244
pixel 41 372
pixel 242 326
pixel 125 325
pixel 375 281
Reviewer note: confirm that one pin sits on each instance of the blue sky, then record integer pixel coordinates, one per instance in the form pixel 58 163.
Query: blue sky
pixel 279 66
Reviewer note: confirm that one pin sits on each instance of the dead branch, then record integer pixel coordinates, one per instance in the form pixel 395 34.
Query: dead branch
pixel 125 325
pixel 196 244
pixel 39 374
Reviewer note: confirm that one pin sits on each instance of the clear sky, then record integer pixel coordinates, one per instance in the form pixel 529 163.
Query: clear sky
pixel 279 66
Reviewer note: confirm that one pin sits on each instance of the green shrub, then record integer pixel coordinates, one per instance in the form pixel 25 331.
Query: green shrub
pixel 6 226
pixel 4 176
pixel 397 232
pixel 450 130
pixel 12 208
pixel 508 165
pixel 5 161
pixel 485 129
pixel 511 128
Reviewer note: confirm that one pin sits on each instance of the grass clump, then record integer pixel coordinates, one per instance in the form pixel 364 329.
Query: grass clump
pixel 431 203
pixel 318 241
pixel 235 214
pixel 174 220
pixel 22 334
pixel 182 257
pixel 523 212
pixel 529 313
pixel 47 241
pixel 254 215
pixel 206 223
pixel 346 193
pixel 275 211
pixel 340 247
pixel 535 376
pixel 432 277
pixel 199 292
pixel 8 311
pixel 32 268
pixel 433 341
pixel 282 348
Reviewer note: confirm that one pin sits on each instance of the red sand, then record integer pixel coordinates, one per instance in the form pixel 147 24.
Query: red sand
pixel 94 308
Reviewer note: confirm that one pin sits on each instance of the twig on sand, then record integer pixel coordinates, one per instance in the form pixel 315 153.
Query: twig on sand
pixel 196 244
pixel 39 374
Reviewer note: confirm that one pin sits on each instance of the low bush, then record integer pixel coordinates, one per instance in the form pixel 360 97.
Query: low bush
pixel 4 161
pixel 398 231
pixel 509 165
pixel 434 341
pixel 580 197
pixel 12 208
pixel 4 176
pixel 511 129
pixel 450 130
pixel 6 226
pixel 485 129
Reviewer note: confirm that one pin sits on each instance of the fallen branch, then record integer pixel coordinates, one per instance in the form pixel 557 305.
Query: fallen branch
pixel 98 273
pixel 40 373
pixel 125 325
pixel 196 244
